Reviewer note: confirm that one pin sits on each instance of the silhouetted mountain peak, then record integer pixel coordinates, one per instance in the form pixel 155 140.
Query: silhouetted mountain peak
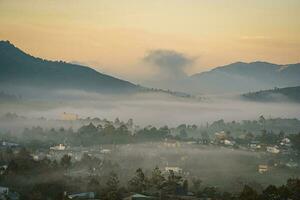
pixel 19 69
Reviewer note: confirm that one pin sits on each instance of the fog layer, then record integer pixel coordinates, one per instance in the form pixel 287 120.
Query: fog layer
pixel 150 108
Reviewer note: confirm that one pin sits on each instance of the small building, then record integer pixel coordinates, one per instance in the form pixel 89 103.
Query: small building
pixel 59 147
pixel 273 149
pixel 229 142
pixel 255 145
pixel 174 169
pixel 105 151
pixel 263 168
pixel 220 135
pixel 171 143
pixel 286 142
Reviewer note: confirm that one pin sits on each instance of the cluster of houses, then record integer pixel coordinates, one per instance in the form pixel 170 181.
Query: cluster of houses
pixel 283 146
pixel 282 152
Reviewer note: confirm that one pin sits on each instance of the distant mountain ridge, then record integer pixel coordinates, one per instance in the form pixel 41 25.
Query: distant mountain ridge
pixel 246 77
pixel 275 95
pixel 19 69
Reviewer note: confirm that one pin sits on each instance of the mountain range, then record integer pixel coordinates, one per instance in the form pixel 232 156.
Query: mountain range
pixel 245 77
pixel 19 70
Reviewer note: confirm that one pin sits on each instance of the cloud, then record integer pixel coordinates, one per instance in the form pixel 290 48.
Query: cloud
pixel 170 62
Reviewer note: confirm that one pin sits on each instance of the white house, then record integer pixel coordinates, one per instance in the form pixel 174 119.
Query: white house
pixel 59 147
pixel 174 169
pixel 273 149
pixel 263 168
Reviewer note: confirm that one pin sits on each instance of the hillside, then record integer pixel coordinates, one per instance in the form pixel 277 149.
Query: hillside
pixel 246 77
pixel 19 70
pixel 277 94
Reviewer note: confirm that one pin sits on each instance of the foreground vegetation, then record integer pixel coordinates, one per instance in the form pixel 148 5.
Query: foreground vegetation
pixel 46 179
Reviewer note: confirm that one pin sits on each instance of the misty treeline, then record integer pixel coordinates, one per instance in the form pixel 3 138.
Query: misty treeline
pixel 94 131
pixel 46 179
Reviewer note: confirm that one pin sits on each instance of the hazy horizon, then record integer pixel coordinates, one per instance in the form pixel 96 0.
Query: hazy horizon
pixel 117 37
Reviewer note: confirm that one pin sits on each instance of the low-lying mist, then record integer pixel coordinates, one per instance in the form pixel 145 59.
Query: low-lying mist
pixel 149 108
pixel 222 167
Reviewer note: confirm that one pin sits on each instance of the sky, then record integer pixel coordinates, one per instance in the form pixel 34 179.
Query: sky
pixel 119 37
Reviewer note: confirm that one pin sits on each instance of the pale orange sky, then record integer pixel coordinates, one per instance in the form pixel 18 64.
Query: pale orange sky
pixel 113 36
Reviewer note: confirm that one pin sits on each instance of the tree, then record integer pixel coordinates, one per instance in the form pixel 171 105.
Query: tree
pixel 293 186
pixel 185 187
pixel 129 123
pixel 284 192
pixel 109 129
pixel 248 194
pixel 117 121
pixel 196 185
pixel 139 182
pixel 210 192
pixel 123 129
pixel 262 119
pixel 281 135
pixel 271 193
pixel 49 190
pixel 112 187
pixel 94 184
pixel 65 161
pixel 183 133
pixel 89 129
pixel 157 180
pixel 173 183
pixel 295 139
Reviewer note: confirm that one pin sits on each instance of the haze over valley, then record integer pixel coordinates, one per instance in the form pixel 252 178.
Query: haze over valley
pixel 139 100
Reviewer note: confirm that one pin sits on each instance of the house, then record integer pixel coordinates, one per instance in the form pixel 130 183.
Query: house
pixel 59 147
pixel 171 143
pixel 273 149
pixel 255 145
pixel 174 169
pixel 139 197
pixel 286 142
pixel 229 142
pixel 220 135
pixel 105 151
pixel 263 168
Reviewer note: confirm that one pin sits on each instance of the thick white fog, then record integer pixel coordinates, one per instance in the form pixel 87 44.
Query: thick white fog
pixel 151 108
